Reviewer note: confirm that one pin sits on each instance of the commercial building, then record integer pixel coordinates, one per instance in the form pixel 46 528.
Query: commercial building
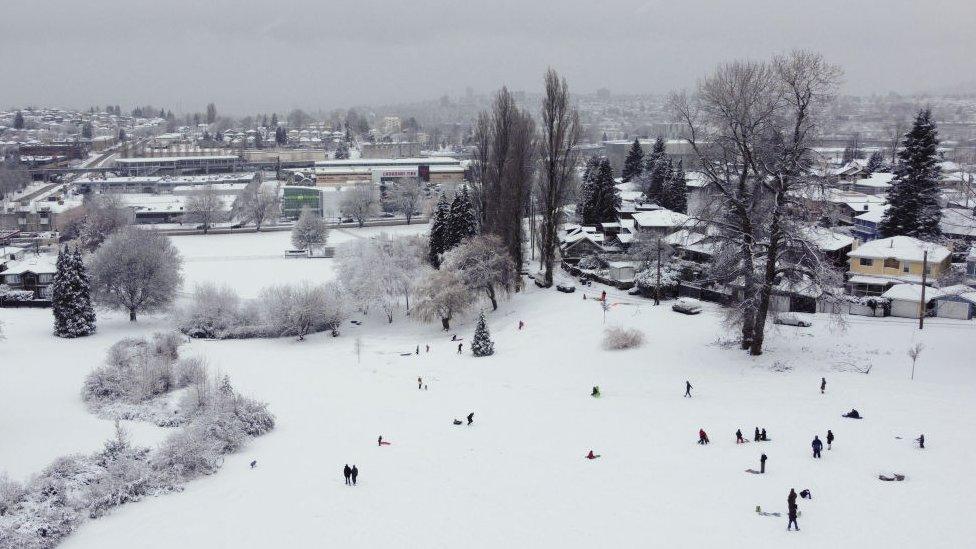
pixel 404 149
pixel 176 165
pixel 379 171
pixel 159 183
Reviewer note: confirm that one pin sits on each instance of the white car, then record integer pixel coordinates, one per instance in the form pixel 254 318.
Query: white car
pixel 687 305
pixel 790 319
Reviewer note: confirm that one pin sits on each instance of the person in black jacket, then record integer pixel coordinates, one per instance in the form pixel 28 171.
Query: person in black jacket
pixel 354 473
pixel 830 438
pixel 738 436
pixel 762 436
pixel 347 472
pixel 823 385
pixel 817 446
pixel 756 438
pixel 470 418
pixel 762 463
pixel 792 521
pixel 688 389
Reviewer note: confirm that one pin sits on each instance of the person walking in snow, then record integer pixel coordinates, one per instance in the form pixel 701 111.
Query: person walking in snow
pixel 921 442
pixel 762 463
pixel 460 346
pixel 762 435
pixel 603 296
pixel 738 436
pixel 353 474
pixel 817 446
pixel 756 438
pixel 417 352
pixel 688 389
pixel 521 324
pixel 470 418
pixel 420 383
pixel 347 472
pixel 830 438
pixel 702 437
pixel 791 499
pixel 428 347
pixel 823 385
pixel 792 522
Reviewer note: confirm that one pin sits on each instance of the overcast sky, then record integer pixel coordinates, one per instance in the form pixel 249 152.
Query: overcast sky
pixel 252 56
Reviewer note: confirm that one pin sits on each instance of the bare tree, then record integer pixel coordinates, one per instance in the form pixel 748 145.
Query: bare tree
pixel 359 202
pixel 557 147
pixel 913 353
pixel 102 215
pixel 483 264
pixel 751 125
pixel 301 309
pixel 136 270
pixel 206 208
pixel 13 176
pixel 256 205
pixel 407 197
pixel 440 295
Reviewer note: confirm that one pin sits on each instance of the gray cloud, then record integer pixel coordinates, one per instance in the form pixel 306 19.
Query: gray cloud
pixel 258 56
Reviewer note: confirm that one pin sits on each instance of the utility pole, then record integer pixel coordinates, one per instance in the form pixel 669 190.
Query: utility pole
pixel 657 289
pixel 921 306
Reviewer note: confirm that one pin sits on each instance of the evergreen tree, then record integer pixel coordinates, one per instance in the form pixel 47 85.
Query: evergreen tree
pixel 19 121
pixel 913 199
pixel 599 197
pixel 71 302
pixel 655 172
pixel 122 135
pixel 461 222
pixel 676 191
pixel 587 188
pixel 875 162
pixel 438 231
pixel 87 132
pixel 633 164
pixel 482 345
pixel 274 120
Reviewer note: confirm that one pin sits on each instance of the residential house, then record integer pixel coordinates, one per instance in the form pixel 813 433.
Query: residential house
pixel 865 226
pixel 957 302
pixel 906 300
pixel 877 265
pixel 875 184
pixel 658 223
pixel 580 241
pixel 958 224
pixel 34 272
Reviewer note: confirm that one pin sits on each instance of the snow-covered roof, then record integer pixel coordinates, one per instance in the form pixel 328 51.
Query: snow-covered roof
pixel 38 264
pixel 864 279
pixel 660 218
pixel 625 238
pixel 912 292
pixel 958 222
pixel 631 196
pixel 880 180
pixel 905 248
pixel 827 240
pixel 873 215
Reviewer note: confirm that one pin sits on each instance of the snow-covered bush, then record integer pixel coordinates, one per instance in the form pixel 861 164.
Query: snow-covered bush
pixel 616 338
pixel 211 312
pixel 670 278
pixel 254 416
pixel 590 263
pixel 9 294
pixel 136 370
pixel 302 309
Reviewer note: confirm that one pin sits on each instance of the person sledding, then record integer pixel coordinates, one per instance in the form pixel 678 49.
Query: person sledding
pixel 458 421
pixel 381 442
pixel 853 414
pixel 894 477
pixel 591 455
pixel 596 391
pixel 702 437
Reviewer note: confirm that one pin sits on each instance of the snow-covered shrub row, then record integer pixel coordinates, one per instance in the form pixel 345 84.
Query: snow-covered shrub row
pixel 616 338
pixel 9 294
pixel 136 376
pixel 40 513
pixel 591 263
pixel 283 310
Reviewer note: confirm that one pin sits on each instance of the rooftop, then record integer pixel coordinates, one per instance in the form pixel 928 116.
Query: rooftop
pixel 904 248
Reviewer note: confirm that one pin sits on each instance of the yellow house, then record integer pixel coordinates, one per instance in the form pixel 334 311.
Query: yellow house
pixel 876 265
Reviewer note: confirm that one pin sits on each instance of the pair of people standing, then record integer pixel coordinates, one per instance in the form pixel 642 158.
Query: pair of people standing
pixel 350 474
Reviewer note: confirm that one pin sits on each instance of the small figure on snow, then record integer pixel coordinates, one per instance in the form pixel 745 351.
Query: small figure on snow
pixel 921 441
pixel 762 463
pixel 428 347
pixel 254 464
pixel 792 521
pixel 853 414
pixel 460 346
pixel 823 385
pixel 806 494
pixel 454 337
pixel 591 455
pixel 347 472
pixel 420 383
pixel 738 436
pixel 381 442
pixel 702 437
pixel 688 389
pixel 353 474
pixel 830 438
pixel 596 391
pixel 417 352
pixel 817 446
pixel 762 435
pixel 603 296
pixel 756 438
pixel 470 418
pixel 521 324
pixel 458 421
pixel 791 499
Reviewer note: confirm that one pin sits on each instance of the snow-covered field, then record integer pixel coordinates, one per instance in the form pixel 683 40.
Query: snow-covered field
pixel 517 476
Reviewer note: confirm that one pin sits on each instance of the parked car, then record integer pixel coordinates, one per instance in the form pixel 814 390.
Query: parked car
pixel 387 214
pixel 636 290
pixel 687 305
pixel 790 319
pixel 566 288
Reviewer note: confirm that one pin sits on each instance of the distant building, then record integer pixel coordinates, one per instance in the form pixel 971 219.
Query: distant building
pixel 176 165
pixel 404 149
pixel 159 183
pixel 877 265
pixel 434 170
pixel 677 149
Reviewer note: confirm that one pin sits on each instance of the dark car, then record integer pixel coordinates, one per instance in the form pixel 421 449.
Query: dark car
pixel 566 288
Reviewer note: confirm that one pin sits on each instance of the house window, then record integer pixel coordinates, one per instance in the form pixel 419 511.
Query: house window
pixel 45 278
pixel 904 269
pixel 13 279
pixel 890 263
pixel 866 262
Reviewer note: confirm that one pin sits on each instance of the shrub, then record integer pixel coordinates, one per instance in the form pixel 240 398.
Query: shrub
pixel 616 338
pixel 136 370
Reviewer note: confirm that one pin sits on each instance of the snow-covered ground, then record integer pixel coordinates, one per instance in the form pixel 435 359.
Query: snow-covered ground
pixel 517 476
